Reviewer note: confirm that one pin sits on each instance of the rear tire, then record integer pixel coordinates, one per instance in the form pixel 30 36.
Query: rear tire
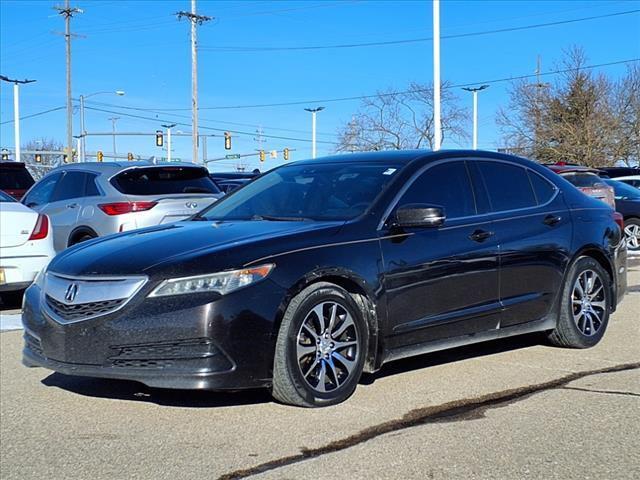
pixel 81 238
pixel 321 348
pixel 632 234
pixel 584 305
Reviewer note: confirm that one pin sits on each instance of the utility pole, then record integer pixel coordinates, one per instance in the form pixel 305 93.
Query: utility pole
pixel 113 129
pixel 313 128
pixel 259 138
pixel 68 12
pixel 169 127
pixel 16 112
pixel 475 112
pixel 437 128
pixel 195 20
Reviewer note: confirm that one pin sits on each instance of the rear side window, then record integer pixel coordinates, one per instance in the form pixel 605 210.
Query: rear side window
pixel 42 192
pixel 583 179
pixel 164 180
pixel 446 185
pixel 543 189
pixel 72 185
pixel 508 186
pixel 12 178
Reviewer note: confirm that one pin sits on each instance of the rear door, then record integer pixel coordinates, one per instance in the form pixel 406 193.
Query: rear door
pixel 534 229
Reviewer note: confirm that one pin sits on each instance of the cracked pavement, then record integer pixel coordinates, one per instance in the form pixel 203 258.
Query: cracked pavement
pixel 508 409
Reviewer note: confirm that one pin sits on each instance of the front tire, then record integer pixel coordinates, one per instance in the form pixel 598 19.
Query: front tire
pixel 585 305
pixel 321 348
pixel 632 234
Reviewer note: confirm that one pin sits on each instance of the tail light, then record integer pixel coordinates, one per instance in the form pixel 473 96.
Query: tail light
pixel 611 197
pixel 619 219
pixel 120 208
pixel 41 230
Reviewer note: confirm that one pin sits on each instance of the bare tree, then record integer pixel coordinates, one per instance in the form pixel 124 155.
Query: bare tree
pixel 582 117
pixel 47 161
pixel 398 120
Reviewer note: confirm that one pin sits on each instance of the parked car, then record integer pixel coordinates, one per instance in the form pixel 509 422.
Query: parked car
pixel 633 180
pixel 586 180
pixel 26 246
pixel 15 179
pixel 319 270
pixel 615 172
pixel 89 200
pixel 628 204
pixel 227 186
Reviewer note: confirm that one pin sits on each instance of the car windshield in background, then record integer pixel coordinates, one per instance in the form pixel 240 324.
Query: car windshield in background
pixel 623 191
pixel 583 179
pixel 164 181
pixel 15 179
pixel 6 197
pixel 306 192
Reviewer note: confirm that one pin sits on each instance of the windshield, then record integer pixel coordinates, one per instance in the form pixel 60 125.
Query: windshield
pixel 164 180
pixel 583 179
pixel 333 191
pixel 623 191
pixel 5 197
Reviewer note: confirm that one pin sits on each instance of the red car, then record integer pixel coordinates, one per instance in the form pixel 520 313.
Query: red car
pixel 15 179
pixel 587 180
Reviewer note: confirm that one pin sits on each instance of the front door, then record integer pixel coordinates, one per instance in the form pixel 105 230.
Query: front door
pixel 441 282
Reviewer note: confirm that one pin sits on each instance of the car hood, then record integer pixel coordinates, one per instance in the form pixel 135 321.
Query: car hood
pixel 185 247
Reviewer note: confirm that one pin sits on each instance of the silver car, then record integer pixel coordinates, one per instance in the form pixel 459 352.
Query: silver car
pixel 88 200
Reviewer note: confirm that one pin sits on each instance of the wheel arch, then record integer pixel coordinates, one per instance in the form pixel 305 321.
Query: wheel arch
pixel 598 254
pixel 79 231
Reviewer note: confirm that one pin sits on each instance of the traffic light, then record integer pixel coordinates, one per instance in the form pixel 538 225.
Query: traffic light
pixel 262 155
pixel 285 154
pixel 99 155
pixel 130 156
pixel 5 154
pixel 227 141
pixel 38 158
pixel 159 138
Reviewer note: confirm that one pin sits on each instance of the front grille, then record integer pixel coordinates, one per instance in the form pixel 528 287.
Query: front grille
pixel 178 349
pixel 80 311
pixel 33 344
pixel 151 364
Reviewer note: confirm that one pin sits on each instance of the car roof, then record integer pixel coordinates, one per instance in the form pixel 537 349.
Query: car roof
pixel 628 177
pixel 111 168
pixel 10 164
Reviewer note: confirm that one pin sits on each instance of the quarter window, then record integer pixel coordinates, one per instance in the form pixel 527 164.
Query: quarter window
pixel 543 189
pixel 446 185
pixel 508 186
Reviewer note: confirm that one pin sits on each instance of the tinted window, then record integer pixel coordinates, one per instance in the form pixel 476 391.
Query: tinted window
pixel 508 186
pixel 164 180
pixel 4 197
pixel 12 178
pixel 330 191
pixel 42 191
pixel 71 186
pixel 624 191
pixel 446 185
pixel 542 188
pixel 91 188
pixel 583 179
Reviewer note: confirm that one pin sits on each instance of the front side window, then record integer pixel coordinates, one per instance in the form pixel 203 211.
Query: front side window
pixel 43 191
pixel 334 191
pixel 446 185
pixel 508 186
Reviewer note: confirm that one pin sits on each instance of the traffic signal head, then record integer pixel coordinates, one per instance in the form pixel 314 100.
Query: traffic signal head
pixel 285 153
pixel 262 155
pixel 227 141
pixel 5 154
pixel 38 158
pixel 130 156
pixel 100 156
pixel 159 138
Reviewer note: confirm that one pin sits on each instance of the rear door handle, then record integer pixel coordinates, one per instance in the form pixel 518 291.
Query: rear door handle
pixel 551 220
pixel 480 235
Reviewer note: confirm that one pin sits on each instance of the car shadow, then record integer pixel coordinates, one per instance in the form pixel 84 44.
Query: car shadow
pixel 134 391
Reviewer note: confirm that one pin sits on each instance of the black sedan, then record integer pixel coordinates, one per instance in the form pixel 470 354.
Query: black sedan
pixel 628 204
pixel 320 270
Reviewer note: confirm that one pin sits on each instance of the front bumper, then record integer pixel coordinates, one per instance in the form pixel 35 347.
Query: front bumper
pixel 620 266
pixel 194 341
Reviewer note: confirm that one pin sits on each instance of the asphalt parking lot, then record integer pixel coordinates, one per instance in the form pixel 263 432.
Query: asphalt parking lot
pixel 509 409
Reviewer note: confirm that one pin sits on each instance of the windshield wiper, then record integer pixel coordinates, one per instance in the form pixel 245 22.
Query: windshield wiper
pixel 273 218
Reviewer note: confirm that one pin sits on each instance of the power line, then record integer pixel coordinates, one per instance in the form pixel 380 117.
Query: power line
pixel 408 41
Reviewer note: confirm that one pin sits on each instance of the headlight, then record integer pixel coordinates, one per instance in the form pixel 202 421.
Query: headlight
pixel 222 282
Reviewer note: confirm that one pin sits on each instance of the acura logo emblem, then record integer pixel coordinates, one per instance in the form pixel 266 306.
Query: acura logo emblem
pixel 71 292
pixel 191 205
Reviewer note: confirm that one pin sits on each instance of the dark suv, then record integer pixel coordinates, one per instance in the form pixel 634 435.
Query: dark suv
pixel 15 179
pixel 319 270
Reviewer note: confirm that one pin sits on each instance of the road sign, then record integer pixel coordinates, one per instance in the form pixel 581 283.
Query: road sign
pixel 232 156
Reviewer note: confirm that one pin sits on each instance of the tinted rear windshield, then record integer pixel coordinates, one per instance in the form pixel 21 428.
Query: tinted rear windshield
pixel 15 179
pixel 584 179
pixel 164 180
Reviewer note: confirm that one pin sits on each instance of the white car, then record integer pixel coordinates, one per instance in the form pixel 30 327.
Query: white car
pixel 26 246
pixel 633 180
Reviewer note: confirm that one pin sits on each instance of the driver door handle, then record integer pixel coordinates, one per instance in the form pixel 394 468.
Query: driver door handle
pixel 551 220
pixel 480 235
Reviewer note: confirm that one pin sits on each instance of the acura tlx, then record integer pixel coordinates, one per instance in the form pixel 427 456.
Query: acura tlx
pixel 320 270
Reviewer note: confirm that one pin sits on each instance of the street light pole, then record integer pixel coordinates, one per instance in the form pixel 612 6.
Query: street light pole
pixel 475 112
pixel 313 128
pixel 169 127
pixel 113 129
pixel 437 127
pixel 16 112
pixel 83 131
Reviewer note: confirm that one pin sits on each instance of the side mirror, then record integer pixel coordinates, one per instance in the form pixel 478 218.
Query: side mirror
pixel 419 215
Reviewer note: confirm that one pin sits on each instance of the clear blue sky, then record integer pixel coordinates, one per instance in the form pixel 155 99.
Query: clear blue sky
pixel 140 47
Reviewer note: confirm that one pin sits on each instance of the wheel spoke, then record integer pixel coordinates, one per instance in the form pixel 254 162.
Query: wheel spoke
pixel 318 310
pixel 597 291
pixel 578 288
pixel 312 367
pixel 590 320
pixel 332 319
pixel 348 364
pixel 600 304
pixel 334 372
pixel 346 323
pixel 304 350
pixel 322 378
pixel 341 345
pixel 310 331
